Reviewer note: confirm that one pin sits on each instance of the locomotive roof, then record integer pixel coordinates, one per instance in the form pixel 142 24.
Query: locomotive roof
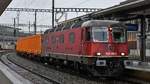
pixel 95 23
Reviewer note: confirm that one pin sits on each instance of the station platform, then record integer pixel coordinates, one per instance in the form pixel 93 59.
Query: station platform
pixel 139 69
pixel 138 65
pixel 4 79
pixel 7 76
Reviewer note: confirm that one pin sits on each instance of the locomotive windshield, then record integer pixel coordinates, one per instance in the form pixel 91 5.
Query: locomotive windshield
pixel 103 34
pixel 99 34
pixel 118 35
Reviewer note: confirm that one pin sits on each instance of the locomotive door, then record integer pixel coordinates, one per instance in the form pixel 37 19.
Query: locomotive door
pixel 86 41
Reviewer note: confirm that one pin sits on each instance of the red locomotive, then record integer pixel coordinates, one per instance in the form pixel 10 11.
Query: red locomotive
pixel 96 46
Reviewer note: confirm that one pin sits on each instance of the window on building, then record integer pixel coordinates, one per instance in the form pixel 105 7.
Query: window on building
pixel 148 44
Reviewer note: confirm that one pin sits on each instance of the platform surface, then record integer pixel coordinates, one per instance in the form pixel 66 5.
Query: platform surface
pixel 138 65
pixel 8 76
pixel 4 79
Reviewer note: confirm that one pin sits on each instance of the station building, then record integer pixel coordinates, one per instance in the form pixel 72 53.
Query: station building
pixel 7 39
pixel 134 37
pixel 8 36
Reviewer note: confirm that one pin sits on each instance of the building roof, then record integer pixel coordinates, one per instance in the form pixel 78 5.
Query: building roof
pixel 125 8
pixel 3 5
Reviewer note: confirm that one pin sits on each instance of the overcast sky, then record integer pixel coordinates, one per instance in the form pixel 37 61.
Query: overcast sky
pixel 64 3
pixel 45 18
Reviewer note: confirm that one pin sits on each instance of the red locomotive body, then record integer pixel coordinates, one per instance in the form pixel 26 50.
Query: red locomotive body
pixel 60 42
pixel 95 45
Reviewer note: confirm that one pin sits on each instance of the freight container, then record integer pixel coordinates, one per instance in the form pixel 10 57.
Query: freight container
pixel 29 45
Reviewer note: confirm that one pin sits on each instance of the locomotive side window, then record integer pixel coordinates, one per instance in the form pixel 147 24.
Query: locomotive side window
pixel 72 37
pixel 99 34
pixel 118 35
pixel 53 39
pixel 61 40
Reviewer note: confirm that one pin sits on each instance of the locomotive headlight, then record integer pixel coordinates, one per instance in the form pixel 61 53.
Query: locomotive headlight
pixel 110 29
pixel 123 54
pixel 98 54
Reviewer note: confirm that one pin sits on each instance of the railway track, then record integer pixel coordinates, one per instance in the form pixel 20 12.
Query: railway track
pixel 36 78
pixel 58 77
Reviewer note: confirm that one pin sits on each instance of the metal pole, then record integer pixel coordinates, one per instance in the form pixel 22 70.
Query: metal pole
pixel 29 26
pixel 66 16
pixel 18 15
pixel 143 39
pixel 53 11
pixel 35 27
pixel 14 27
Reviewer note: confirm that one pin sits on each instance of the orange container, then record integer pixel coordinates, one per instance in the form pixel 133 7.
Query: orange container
pixel 29 44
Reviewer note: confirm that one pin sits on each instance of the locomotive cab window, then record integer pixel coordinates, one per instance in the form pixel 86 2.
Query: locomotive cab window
pixel 118 35
pixel 99 34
